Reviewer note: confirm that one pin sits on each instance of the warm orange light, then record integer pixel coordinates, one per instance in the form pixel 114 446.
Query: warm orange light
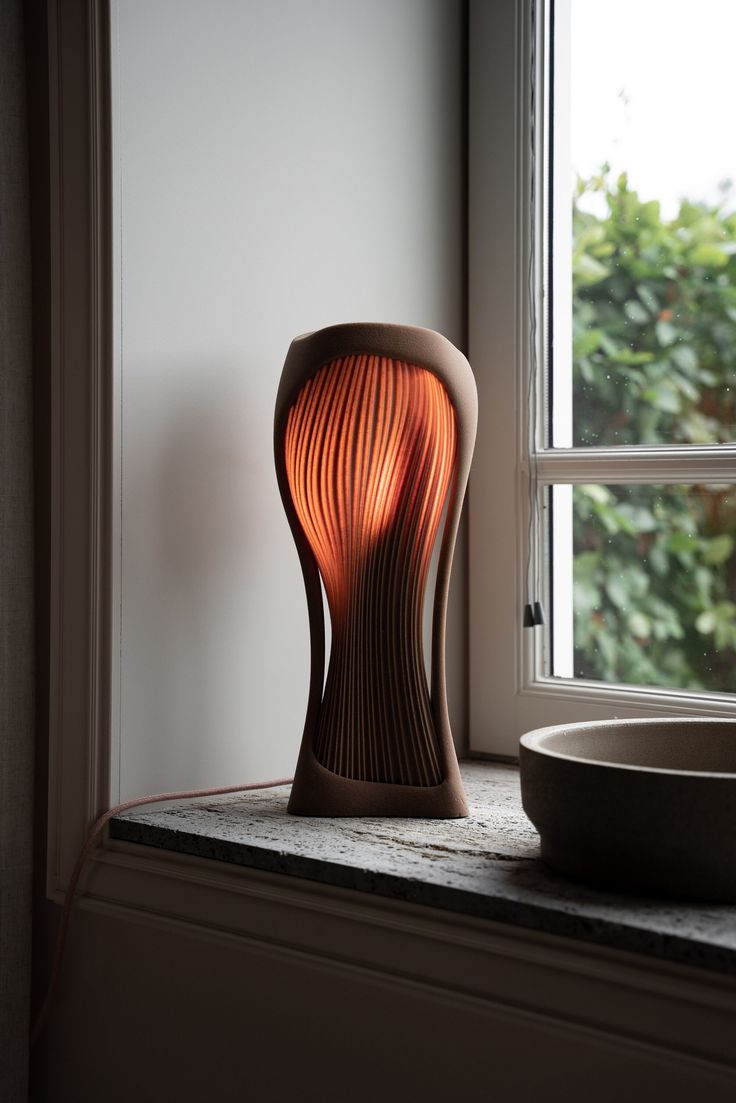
pixel 370 449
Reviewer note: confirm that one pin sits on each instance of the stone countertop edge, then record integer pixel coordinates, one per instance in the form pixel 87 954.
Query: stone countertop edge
pixel 486 867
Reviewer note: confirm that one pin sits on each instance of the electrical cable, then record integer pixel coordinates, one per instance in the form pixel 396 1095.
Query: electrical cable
pixel 87 848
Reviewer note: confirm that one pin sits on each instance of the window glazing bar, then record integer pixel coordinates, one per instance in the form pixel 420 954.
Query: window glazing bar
pixel 692 464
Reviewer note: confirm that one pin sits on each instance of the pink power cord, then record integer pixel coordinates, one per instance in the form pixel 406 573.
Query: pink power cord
pixel 85 852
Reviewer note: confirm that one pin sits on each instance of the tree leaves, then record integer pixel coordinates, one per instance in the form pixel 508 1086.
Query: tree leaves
pixel 663 296
pixel 709 256
pixel 654 362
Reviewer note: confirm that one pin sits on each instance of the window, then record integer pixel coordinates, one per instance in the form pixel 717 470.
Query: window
pixel 604 486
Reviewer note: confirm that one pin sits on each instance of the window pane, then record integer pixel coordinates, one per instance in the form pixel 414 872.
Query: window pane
pixel 644 126
pixel 654 585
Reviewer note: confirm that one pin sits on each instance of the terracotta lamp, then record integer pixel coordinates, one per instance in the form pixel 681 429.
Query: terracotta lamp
pixel 374 433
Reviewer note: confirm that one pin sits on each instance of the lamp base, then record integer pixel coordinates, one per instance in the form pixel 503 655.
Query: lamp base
pixel 321 793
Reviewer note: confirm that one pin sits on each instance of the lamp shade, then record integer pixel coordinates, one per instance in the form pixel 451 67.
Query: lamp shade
pixel 373 438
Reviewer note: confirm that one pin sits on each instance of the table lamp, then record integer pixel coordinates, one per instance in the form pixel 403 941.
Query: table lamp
pixel 373 437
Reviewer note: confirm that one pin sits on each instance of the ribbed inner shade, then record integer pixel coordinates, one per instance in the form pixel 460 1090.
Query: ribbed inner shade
pixel 370 450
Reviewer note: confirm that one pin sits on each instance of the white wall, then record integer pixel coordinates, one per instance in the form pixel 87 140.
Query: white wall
pixel 279 167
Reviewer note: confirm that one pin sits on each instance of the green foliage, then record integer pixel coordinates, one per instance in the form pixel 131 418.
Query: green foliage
pixel 654 362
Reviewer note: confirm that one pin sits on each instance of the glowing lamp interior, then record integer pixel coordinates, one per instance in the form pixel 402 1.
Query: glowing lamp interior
pixel 370 447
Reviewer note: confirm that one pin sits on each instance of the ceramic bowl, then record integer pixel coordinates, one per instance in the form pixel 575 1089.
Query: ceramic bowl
pixel 638 805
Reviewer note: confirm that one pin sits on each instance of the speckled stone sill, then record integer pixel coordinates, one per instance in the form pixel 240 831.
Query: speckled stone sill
pixel 485 866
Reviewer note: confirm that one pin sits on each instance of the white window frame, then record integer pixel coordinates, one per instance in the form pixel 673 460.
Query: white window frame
pixel 509 692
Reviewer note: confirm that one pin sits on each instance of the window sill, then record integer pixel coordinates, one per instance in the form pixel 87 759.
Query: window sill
pixel 486 867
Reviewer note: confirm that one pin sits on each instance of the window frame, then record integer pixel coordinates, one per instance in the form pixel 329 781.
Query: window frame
pixel 509 693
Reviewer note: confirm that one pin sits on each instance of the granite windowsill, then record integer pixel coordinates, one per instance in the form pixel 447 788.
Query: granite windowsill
pixel 485 866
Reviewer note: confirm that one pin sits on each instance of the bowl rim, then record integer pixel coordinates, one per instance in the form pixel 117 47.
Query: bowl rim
pixel 533 741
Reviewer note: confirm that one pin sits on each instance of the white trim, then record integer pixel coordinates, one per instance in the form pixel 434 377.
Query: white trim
pixel 116 632
pixel 80 435
pixel 562 627
pixel 637 465
pixel 508 694
pixel 561 429
pixel 500 655
pixel 495 267
pixel 629 1000
pixel 634 700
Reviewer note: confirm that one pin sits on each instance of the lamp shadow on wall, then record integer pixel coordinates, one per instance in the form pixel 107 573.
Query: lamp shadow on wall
pixel 199 573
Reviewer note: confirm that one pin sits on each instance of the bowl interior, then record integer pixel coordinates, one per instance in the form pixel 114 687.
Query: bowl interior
pixel 693 745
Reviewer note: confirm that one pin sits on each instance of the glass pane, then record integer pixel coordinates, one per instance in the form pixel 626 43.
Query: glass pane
pixel 653 595
pixel 643 112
